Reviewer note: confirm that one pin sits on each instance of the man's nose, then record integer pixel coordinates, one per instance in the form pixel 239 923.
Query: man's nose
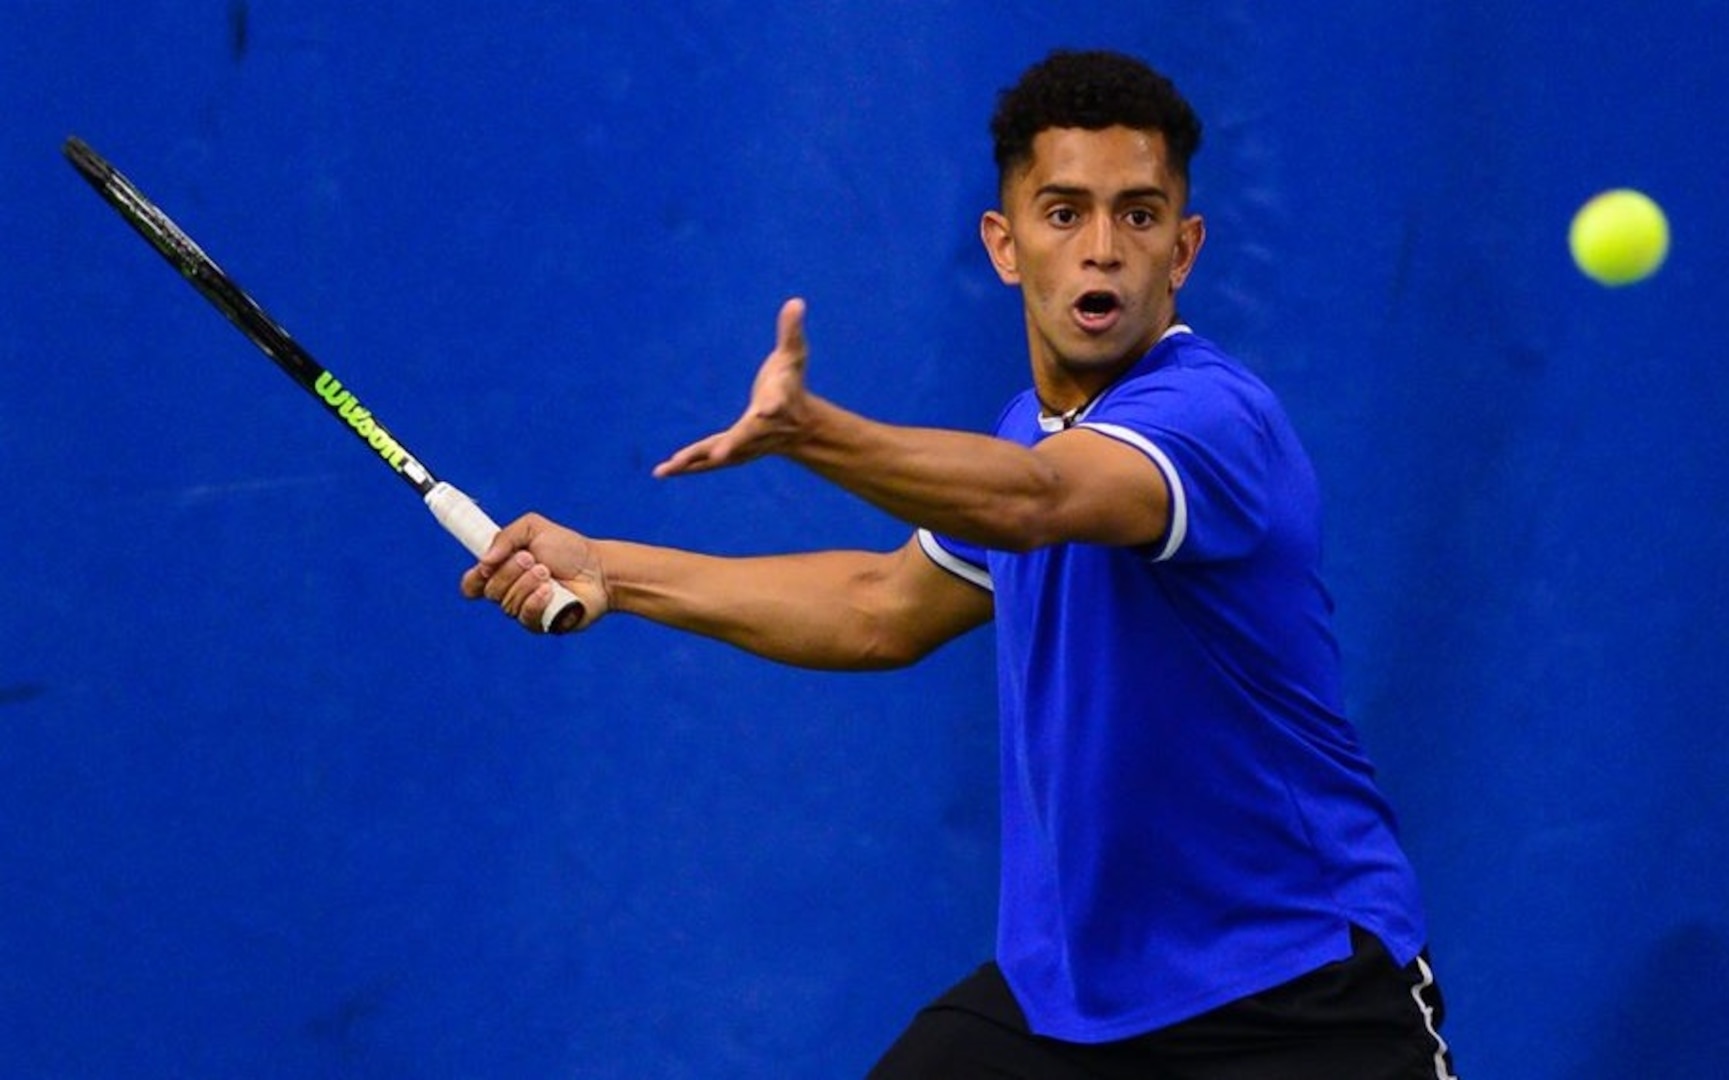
pixel 1100 248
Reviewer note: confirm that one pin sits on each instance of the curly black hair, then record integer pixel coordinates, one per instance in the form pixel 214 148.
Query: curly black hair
pixel 1092 90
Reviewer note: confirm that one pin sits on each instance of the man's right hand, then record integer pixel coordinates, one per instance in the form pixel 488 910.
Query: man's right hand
pixel 531 552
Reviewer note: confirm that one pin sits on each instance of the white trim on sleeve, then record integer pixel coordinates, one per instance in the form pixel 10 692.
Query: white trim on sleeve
pixel 959 567
pixel 1179 527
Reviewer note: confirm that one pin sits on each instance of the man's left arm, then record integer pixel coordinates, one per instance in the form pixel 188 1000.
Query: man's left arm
pixel 1077 485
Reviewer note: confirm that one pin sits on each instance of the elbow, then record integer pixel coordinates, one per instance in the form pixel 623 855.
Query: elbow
pixel 1031 517
pixel 886 649
pixel 893 629
pixel 1022 524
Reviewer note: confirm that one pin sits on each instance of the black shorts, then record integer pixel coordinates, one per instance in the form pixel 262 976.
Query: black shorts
pixel 1365 1018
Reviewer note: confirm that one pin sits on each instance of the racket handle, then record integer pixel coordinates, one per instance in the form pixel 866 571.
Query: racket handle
pixel 465 520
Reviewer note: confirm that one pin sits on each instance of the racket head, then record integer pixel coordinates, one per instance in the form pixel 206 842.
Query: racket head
pixel 184 254
pixel 143 215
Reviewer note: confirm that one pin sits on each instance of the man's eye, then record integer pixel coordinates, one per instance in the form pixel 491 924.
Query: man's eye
pixel 1062 215
pixel 1141 219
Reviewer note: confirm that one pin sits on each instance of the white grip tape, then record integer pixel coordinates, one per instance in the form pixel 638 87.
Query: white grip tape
pixel 465 520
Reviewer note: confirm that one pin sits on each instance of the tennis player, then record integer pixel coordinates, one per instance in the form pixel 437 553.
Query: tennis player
pixel 1199 876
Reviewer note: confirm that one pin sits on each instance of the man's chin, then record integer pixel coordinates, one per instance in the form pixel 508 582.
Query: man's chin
pixel 1104 354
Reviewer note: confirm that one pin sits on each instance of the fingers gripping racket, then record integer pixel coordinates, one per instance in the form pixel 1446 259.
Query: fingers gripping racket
pixel 454 510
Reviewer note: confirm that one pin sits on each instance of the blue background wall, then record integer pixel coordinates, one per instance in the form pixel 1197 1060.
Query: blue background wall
pixel 275 802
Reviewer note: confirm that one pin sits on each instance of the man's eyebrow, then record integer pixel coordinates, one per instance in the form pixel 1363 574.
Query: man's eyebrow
pixel 1074 191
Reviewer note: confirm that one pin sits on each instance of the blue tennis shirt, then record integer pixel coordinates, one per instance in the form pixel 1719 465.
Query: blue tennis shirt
pixel 1187 816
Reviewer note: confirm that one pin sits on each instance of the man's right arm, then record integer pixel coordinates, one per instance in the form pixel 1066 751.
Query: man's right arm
pixel 842 610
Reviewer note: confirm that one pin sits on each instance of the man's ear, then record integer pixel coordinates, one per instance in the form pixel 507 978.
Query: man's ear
pixel 1191 234
pixel 1000 246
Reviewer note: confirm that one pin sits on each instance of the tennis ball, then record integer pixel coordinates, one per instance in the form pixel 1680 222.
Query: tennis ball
pixel 1619 237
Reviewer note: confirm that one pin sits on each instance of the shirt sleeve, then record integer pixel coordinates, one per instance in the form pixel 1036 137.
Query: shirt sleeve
pixel 1208 436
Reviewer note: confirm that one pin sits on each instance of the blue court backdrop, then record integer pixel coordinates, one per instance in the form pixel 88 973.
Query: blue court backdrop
pixel 276 802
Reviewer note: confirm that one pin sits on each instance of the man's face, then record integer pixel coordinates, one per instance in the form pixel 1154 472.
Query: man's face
pixel 1091 230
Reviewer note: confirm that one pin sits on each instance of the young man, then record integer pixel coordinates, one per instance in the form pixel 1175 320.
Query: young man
pixel 1199 878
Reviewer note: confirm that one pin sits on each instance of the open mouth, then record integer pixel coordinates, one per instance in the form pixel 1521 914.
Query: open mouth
pixel 1098 310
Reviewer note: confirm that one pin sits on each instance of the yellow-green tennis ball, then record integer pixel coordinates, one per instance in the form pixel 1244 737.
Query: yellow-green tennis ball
pixel 1619 237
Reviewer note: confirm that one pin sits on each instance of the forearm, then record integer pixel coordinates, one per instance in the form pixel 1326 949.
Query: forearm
pixel 973 487
pixel 816 610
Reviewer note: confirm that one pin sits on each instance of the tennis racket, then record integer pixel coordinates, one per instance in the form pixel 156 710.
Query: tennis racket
pixel 458 513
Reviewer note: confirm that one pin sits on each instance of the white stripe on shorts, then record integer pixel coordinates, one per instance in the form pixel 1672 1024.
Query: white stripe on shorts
pixel 1442 1070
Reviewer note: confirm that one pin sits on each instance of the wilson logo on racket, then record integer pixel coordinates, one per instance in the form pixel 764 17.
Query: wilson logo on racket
pixel 347 406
